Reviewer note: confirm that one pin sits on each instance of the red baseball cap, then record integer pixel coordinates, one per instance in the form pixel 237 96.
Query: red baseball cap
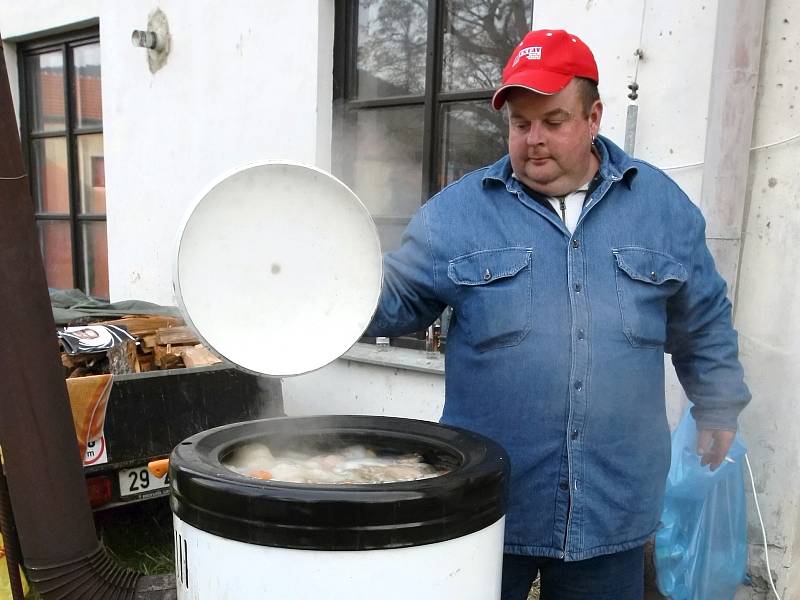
pixel 545 61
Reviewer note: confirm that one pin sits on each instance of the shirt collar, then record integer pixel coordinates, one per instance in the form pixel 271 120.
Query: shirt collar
pixel 614 164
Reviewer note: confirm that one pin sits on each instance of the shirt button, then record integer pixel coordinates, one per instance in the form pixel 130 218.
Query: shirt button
pixel 653 276
pixel 574 434
pixel 487 275
pixel 581 334
pixel 579 385
pixel 564 485
pixel 578 287
pixel 575 243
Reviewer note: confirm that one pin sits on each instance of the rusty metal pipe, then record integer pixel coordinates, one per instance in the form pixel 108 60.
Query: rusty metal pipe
pixel 43 465
pixel 59 544
pixel 10 540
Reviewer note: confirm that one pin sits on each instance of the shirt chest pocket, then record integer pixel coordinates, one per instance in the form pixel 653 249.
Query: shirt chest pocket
pixel 646 279
pixel 493 296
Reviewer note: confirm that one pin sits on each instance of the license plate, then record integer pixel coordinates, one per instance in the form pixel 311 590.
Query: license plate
pixel 138 481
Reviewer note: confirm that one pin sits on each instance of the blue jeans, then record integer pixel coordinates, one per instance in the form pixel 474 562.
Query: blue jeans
pixel 617 576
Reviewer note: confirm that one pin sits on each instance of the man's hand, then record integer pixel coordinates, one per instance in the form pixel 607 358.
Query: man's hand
pixel 713 445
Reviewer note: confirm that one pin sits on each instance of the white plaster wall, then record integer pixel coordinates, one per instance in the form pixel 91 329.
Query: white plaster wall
pixel 674 75
pixel 767 309
pixel 348 387
pixel 21 19
pixel 244 81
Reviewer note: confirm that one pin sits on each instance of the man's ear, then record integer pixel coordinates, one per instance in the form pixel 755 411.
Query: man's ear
pixel 595 116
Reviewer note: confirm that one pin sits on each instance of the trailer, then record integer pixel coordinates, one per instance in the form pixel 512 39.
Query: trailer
pixel 148 414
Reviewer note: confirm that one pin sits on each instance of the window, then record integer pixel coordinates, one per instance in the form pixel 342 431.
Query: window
pixel 413 81
pixel 62 135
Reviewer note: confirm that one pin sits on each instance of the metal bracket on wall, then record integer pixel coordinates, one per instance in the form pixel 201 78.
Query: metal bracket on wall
pixel 155 39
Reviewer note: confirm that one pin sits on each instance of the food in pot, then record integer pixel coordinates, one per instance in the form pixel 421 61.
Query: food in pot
pixel 351 464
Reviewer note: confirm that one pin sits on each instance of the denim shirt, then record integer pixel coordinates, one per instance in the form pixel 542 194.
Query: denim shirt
pixel 556 345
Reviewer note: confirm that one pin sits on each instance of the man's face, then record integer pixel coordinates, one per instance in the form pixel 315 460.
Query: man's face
pixel 549 139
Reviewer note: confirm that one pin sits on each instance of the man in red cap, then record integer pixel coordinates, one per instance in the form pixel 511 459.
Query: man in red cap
pixel 571 268
pixel 554 111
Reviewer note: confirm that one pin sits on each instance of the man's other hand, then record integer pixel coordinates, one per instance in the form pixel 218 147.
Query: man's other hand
pixel 713 445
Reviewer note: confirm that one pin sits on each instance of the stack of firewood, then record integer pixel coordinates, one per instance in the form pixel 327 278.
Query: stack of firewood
pixel 163 342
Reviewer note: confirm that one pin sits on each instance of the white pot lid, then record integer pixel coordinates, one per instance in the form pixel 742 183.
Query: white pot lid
pixel 278 268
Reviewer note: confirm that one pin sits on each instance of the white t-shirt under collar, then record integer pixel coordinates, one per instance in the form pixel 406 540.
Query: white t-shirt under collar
pixel 573 205
pixel 569 207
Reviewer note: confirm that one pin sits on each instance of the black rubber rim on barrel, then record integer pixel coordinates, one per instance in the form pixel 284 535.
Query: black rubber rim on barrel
pixel 215 499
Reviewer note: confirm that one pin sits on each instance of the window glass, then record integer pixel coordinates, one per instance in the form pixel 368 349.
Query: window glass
pixel 390 85
pixel 91 174
pixel 45 79
pixel 94 256
pixel 478 39
pixel 56 245
pixel 473 135
pixel 87 97
pixel 50 174
pixel 392 35
pixel 383 165
pixel 65 157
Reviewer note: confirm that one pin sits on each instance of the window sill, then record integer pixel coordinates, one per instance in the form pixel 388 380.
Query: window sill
pixel 398 358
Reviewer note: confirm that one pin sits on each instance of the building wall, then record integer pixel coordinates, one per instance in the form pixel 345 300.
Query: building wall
pixel 356 387
pixel 31 18
pixel 242 82
pixel 767 310
pixel 239 85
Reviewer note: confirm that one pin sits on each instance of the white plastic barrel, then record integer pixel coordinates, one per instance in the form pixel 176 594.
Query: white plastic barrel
pixel 243 538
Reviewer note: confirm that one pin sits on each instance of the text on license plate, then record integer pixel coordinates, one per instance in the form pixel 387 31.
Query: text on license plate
pixel 133 482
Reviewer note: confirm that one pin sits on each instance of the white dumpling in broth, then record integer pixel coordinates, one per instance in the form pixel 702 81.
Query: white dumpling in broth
pixel 251 456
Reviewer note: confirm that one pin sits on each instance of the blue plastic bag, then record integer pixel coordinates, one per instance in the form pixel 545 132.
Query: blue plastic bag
pixel 701 546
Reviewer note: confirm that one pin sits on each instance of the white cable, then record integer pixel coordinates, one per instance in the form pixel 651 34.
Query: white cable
pixel 763 531
pixel 789 139
pixel 675 168
pixel 761 147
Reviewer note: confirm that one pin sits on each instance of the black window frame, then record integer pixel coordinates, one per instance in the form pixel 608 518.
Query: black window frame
pixel 65 42
pixel 434 101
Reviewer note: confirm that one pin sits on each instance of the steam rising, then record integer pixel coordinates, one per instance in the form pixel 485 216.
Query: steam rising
pixel 350 464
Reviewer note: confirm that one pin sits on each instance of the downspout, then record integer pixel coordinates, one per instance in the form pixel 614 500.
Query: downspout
pixel 10 541
pixel 731 113
pixel 59 544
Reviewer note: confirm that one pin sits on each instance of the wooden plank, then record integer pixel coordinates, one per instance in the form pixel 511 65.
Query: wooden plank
pixel 198 356
pixel 143 324
pixel 176 335
pixel 169 356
